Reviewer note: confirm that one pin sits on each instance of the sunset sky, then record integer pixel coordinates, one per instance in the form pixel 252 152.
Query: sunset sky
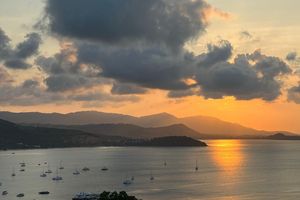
pixel 231 59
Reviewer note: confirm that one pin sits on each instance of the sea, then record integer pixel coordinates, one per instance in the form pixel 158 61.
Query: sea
pixel 227 170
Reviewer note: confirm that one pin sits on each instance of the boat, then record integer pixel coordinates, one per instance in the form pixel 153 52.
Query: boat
pixel 4 193
pixel 13 173
pixel 43 174
pixel 104 169
pixel 22 170
pixel 132 178
pixel 44 193
pixel 127 182
pixel 196 168
pixel 85 169
pixel 21 195
pixel 151 177
pixel 76 172
pixel 165 163
pixel 23 164
pixel 57 178
pixel 49 170
pixel 86 196
pixel 60 166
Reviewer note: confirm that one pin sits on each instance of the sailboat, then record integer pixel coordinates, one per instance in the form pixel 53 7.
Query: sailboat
pixel 13 172
pixel 60 165
pixel 196 168
pixel 151 177
pixel 43 173
pixel 49 170
pixel 57 178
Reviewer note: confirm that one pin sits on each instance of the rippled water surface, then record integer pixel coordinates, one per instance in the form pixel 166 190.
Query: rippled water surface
pixel 228 169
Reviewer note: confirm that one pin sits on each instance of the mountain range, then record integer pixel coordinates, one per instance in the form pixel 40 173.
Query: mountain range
pixel 15 136
pixel 140 127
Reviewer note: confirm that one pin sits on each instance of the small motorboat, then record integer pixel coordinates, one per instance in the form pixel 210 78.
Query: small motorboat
pixel 104 169
pixel 132 178
pixel 76 172
pixel 85 169
pixel 43 175
pixel 4 193
pixel 22 170
pixel 44 193
pixel 196 168
pixel 127 182
pixel 21 195
pixel 23 164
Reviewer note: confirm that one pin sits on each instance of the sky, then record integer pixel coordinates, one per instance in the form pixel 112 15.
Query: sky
pixel 234 60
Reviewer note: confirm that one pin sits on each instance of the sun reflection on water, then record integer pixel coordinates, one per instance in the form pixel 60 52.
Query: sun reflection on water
pixel 228 155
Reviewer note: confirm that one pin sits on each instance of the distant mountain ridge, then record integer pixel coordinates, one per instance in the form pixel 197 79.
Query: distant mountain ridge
pixel 134 131
pixel 208 126
pixel 13 136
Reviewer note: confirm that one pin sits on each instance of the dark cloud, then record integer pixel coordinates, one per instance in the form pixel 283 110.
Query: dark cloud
pixel 294 94
pixel 216 53
pixel 102 97
pixel 5 48
pixel 249 76
pixel 117 21
pixel 153 67
pixel 29 47
pixel 126 88
pixel 66 73
pixel 64 82
pixel 16 58
pixel 292 56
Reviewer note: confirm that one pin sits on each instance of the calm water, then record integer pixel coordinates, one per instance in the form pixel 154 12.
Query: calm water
pixel 228 169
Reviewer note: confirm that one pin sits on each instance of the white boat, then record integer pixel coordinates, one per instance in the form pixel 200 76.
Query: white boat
pixel 76 172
